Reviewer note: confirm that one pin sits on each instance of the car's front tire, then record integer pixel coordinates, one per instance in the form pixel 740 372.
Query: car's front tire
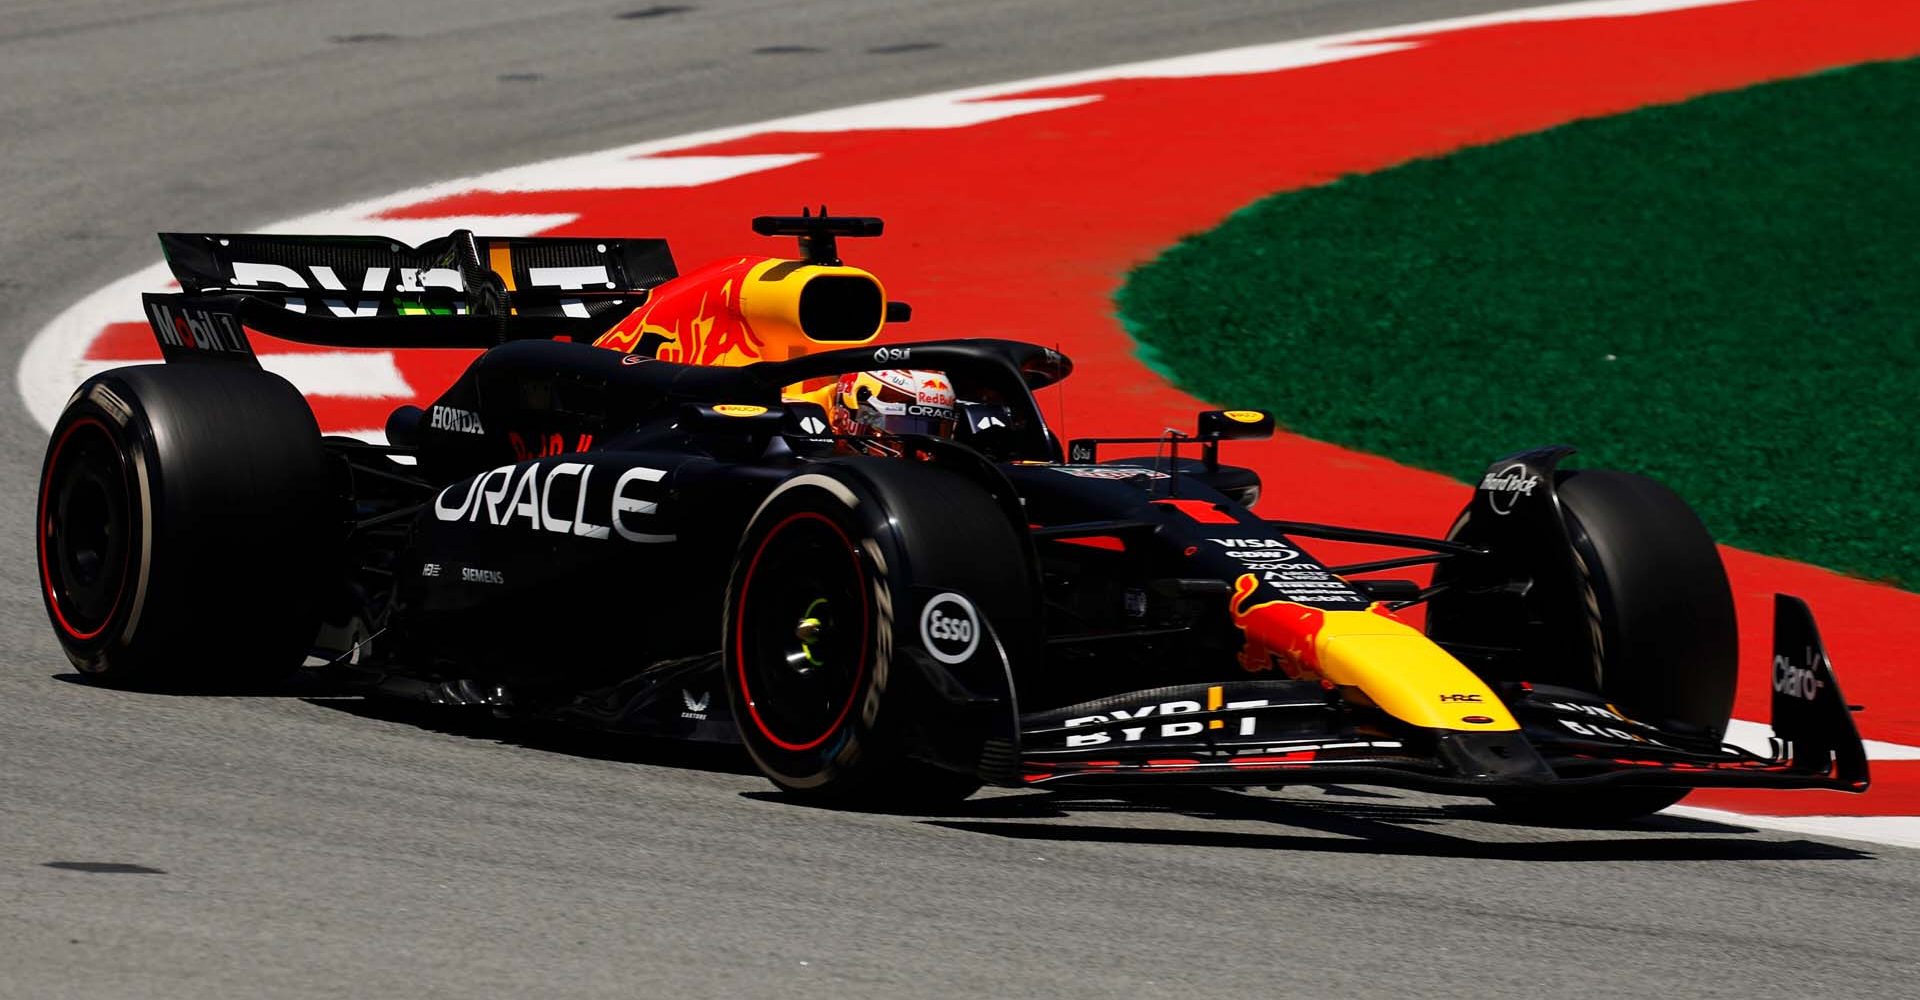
pixel 1653 616
pixel 821 606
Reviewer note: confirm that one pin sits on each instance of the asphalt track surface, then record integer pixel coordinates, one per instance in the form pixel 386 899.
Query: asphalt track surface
pixel 280 845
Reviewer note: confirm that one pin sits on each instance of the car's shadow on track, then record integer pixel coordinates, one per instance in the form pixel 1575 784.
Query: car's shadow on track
pixel 302 684
pixel 478 724
pixel 1356 821
pixel 465 721
pixel 1340 820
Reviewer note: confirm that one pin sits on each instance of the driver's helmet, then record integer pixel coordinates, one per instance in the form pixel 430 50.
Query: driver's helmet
pixel 877 407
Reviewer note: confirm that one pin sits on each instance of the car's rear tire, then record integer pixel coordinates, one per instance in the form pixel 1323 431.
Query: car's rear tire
pixel 843 546
pixel 183 522
pixel 1656 616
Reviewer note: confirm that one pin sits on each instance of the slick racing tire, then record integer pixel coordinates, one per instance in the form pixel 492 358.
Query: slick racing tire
pixel 822 607
pixel 1656 597
pixel 181 529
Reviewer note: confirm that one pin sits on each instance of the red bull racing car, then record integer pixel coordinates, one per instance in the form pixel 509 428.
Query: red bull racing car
pixel 707 506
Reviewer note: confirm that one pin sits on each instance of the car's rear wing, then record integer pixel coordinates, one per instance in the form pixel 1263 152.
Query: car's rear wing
pixel 213 326
pixel 460 290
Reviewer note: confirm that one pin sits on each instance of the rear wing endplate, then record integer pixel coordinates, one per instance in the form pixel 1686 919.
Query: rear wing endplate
pixel 198 327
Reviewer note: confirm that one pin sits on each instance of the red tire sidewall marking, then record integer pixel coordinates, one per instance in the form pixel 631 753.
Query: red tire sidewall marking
pixel 739 633
pixel 45 521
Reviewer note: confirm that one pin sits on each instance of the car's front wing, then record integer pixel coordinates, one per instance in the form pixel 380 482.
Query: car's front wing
pixel 1292 732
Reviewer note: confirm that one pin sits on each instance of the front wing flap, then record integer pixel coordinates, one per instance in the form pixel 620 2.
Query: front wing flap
pixel 1294 732
pixel 1258 733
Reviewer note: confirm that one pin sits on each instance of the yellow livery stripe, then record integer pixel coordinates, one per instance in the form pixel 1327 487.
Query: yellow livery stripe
pixel 1406 675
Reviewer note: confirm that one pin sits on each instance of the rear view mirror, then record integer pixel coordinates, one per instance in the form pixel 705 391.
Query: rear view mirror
pixel 1235 425
pixel 806 428
pixel 988 427
pixel 984 418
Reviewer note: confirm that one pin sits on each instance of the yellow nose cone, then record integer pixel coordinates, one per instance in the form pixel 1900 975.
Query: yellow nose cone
pixel 1409 677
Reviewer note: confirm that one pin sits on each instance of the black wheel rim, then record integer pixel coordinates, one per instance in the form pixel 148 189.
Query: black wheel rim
pixel 86 531
pixel 802 632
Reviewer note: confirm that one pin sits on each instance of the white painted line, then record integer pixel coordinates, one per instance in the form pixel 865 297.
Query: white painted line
pixel 1757 736
pixel 372 435
pixel 1881 750
pixel 353 374
pixel 613 170
pixel 1898 831
pixel 936 111
pixel 1268 57
pixel 54 363
pixel 414 232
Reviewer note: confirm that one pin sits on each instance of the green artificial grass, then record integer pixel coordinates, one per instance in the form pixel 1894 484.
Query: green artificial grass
pixel 1723 294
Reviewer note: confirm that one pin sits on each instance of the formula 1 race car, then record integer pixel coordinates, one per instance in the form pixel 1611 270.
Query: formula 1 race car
pixel 640 509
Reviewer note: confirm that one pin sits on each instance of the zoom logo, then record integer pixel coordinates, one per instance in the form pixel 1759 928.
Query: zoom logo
pixel 950 628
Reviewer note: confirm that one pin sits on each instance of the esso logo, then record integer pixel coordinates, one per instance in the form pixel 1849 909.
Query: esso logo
pixel 950 628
